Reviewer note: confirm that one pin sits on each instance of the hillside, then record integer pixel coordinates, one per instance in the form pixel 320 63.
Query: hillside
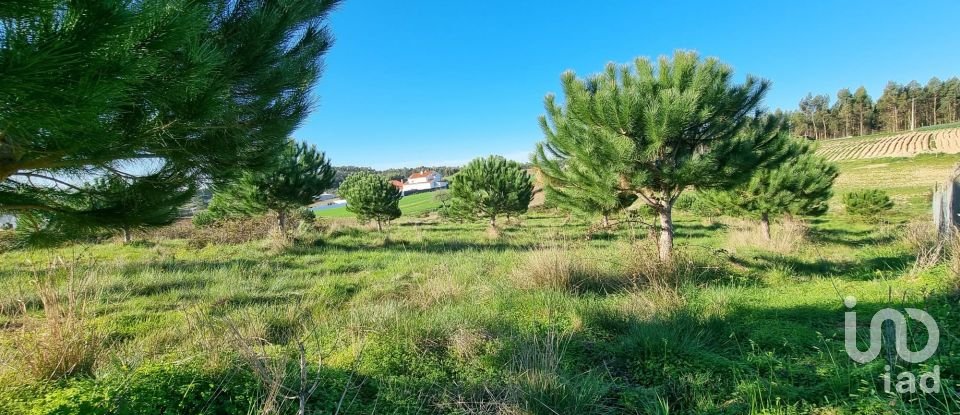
pixel 907 144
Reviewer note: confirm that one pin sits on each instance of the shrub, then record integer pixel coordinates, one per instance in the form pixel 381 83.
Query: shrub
pixel 204 218
pixel 8 240
pixel 304 216
pixel 867 203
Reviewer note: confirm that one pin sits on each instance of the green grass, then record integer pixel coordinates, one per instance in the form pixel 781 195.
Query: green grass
pixel 411 206
pixel 435 317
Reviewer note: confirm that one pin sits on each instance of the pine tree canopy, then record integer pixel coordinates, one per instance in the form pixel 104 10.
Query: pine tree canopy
pixel 146 91
pixel 298 176
pixel 664 127
pixel 802 185
pixel 371 197
pixel 490 187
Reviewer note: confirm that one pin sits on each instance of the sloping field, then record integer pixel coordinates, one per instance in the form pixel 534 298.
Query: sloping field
pixel 413 205
pixel 906 144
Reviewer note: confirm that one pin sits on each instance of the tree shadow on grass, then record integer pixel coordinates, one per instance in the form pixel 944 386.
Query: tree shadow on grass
pixel 849 237
pixel 858 270
pixel 425 246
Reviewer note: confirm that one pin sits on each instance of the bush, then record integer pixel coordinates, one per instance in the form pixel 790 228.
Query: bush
pixel 867 203
pixel 304 216
pixel 694 204
pixel 204 218
pixel 8 240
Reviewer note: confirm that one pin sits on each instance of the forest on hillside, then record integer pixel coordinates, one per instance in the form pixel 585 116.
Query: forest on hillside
pixel 900 107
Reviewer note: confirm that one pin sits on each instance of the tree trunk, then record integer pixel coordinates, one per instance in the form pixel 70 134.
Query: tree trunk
pixel 282 221
pixel 493 222
pixel 861 122
pixel 765 225
pixel 665 244
pixel 913 114
pixel 127 236
pixel 606 221
pixel 379 226
pixel 934 110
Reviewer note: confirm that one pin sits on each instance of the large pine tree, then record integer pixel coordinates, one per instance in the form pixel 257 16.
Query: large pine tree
pixel 155 88
pixel 666 127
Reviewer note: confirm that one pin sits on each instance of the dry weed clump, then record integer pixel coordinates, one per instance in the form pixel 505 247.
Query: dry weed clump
pixel 554 268
pixel 953 263
pixel 921 237
pixel 229 231
pixel 786 235
pixel 62 341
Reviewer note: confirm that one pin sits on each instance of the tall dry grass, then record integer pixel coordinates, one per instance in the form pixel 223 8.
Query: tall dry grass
pixel 920 236
pixel 559 268
pixel 61 341
pixel 786 235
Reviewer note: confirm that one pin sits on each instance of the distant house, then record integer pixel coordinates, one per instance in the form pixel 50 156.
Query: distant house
pixel 423 180
pixel 8 221
pixel 325 196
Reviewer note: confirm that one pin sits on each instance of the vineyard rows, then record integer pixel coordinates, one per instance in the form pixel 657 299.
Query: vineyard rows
pixel 900 145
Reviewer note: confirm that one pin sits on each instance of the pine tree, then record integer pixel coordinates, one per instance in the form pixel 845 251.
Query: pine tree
pixel 845 109
pixel 490 187
pixel 667 127
pixel 802 185
pixel 204 89
pixel 297 177
pixel 371 197
pixel 863 107
pixel 118 203
pixel 582 184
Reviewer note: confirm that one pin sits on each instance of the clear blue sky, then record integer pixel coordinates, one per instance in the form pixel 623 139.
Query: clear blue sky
pixel 440 82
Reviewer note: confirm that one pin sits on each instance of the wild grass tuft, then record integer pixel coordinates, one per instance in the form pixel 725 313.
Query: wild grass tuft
pixel 786 236
pixel 556 268
pixel 62 341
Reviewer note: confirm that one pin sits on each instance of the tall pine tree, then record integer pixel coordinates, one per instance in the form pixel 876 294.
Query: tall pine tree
pixel 666 127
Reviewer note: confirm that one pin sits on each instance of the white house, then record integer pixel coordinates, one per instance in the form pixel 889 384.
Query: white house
pixel 424 180
pixel 8 221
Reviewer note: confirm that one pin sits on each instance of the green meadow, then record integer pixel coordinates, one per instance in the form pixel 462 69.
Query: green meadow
pixel 549 317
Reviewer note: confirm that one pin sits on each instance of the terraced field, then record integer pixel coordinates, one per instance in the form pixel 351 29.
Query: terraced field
pixel 906 144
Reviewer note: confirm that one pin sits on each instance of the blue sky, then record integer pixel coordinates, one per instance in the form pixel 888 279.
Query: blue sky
pixel 413 83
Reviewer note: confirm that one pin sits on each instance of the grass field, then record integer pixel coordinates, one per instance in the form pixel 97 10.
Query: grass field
pixel 435 317
pixel 411 206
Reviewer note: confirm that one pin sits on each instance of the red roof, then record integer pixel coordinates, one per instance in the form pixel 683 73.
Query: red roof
pixel 396 183
pixel 421 174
